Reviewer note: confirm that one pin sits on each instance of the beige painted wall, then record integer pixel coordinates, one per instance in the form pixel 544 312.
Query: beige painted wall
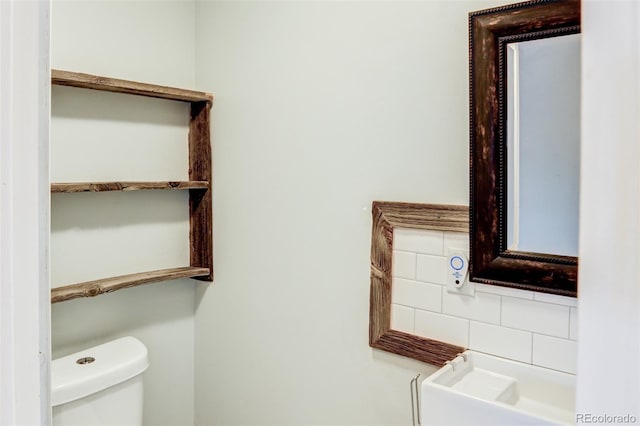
pixel 321 108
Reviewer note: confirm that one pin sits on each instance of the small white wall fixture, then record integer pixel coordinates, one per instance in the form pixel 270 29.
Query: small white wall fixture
pixel 24 212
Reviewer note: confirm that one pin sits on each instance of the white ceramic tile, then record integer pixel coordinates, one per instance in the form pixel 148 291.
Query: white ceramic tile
pixel 551 352
pixel 404 264
pixel 573 324
pixel 538 317
pixel 417 294
pixel 558 300
pixel 500 341
pixel 481 307
pixel 418 240
pixel 402 318
pixel 442 327
pixel 504 291
pixel 456 241
pixel 432 269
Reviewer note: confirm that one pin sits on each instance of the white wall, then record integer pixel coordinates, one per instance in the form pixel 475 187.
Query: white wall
pixel 24 213
pixel 609 335
pixel 101 136
pixel 321 108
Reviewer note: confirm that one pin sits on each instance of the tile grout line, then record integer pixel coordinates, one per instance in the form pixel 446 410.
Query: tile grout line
pixel 413 325
pixel 532 334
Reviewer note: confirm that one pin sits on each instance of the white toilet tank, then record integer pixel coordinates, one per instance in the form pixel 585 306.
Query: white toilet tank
pixel 100 386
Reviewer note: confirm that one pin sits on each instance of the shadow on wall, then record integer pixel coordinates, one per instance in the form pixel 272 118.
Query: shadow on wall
pixel 117 209
pixel 75 103
pixel 81 323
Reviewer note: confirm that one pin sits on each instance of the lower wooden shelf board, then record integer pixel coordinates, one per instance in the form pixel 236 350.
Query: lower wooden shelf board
pixel 108 285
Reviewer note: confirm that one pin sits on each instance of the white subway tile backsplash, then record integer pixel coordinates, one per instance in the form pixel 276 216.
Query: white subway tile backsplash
pixel 573 324
pixel 442 327
pixel 551 352
pixel 456 241
pixel 404 264
pixel 538 317
pixel 518 324
pixel 504 291
pixel 432 269
pixel 402 318
pixel 558 300
pixel 500 341
pixel 418 240
pixel 417 294
pixel 481 307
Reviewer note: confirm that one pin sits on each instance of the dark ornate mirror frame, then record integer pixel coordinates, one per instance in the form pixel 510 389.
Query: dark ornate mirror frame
pixel 489 32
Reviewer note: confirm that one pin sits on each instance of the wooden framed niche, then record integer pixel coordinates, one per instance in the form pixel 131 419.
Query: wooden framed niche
pixel 386 217
pixel 199 185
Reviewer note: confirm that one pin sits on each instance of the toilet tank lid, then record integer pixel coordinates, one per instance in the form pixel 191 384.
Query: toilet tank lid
pixel 77 375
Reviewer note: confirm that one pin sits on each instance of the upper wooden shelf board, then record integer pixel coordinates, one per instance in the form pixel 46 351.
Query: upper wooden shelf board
pixel 125 186
pixel 95 82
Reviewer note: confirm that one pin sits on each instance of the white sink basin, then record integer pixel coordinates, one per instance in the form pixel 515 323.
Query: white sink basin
pixel 487 390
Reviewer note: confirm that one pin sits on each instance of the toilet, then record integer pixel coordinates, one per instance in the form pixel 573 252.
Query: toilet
pixel 100 386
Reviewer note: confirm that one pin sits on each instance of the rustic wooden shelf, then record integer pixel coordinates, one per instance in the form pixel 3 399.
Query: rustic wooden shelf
pixel 65 187
pixel 199 184
pixel 96 82
pixel 108 285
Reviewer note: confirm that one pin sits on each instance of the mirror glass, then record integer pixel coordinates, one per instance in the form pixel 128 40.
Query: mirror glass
pixel 543 145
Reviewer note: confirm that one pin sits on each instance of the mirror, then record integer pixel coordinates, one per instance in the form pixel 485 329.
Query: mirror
pixel 525 126
pixel 543 134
